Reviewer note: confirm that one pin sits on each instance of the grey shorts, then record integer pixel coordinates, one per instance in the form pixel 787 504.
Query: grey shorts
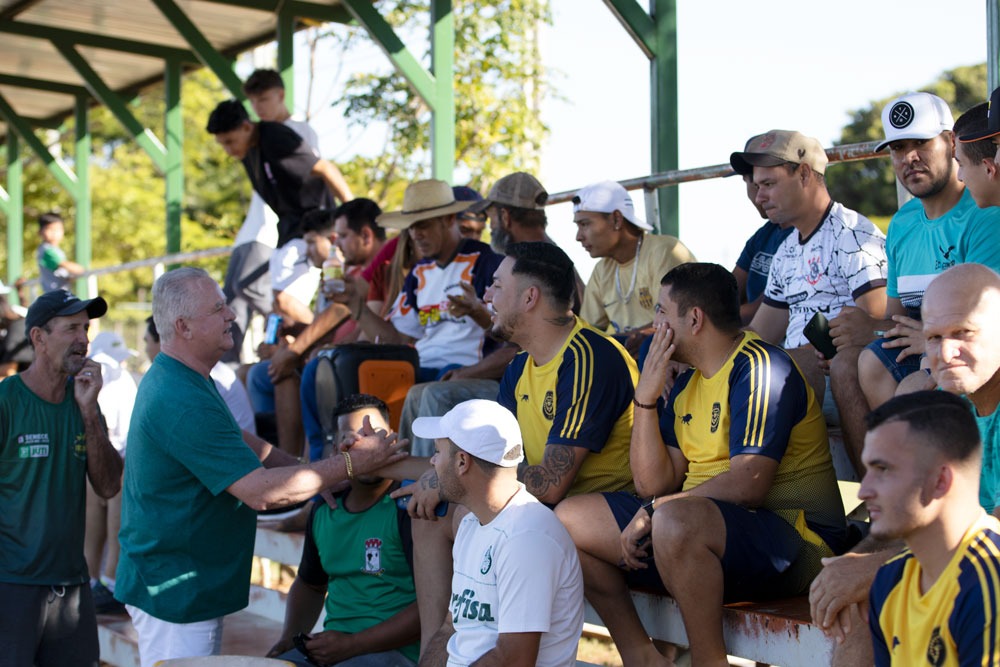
pixel 47 626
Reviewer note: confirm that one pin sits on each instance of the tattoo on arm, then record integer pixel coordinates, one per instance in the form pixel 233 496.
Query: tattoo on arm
pixel 557 461
pixel 429 480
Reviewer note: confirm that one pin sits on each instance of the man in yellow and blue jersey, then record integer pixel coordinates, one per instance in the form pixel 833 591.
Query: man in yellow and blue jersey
pixel 737 494
pixel 571 388
pixel 936 602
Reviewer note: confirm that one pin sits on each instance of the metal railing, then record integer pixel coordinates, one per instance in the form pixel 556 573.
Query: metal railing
pixel 648 184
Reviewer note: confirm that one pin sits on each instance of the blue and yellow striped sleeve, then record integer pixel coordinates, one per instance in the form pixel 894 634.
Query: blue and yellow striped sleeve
pixel 767 398
pixel 973 622
pixel 594 389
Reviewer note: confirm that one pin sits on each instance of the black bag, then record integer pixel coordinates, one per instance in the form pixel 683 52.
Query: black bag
pixel 386 371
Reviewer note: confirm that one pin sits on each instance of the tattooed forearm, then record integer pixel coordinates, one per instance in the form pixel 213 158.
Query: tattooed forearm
pixel 558 462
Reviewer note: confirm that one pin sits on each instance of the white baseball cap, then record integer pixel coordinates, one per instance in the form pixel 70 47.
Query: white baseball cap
pixel 111 344
pixel 607 197
pixel 915 116
pixel 485 429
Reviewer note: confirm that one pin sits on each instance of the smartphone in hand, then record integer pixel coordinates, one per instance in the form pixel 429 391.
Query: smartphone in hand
pixel 817 332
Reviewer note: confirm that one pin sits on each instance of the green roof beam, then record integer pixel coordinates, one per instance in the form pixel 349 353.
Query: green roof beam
pixel 41 84
pixel 443 115
pixel 390 43
pixel 143 135
pixel 636 22
pixel 305 10
pixel 203 49
pixel 57 167
pixel 97 41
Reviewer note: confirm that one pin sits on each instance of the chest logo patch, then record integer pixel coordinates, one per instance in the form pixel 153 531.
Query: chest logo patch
pixel 487 561
pixel 33 446
pixel 716 413
pixel 936 651
pixel 686 419
pixel 645 298
pixel 549 405
pixel 373 557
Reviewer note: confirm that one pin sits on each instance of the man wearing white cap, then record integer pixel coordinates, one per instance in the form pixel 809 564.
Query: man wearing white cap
pixel 940 227
pixel 116 399
pixel 422 314
pixel 835 257
pixel 517 591
pixel 622 289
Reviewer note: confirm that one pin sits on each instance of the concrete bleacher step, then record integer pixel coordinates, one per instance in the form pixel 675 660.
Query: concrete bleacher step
pixel 245 633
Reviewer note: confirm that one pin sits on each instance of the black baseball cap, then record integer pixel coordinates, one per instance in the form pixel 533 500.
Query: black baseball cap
pixel 61 303
pixel 992 121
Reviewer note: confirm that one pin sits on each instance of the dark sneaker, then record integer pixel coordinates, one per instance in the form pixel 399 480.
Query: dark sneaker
pixel 104 600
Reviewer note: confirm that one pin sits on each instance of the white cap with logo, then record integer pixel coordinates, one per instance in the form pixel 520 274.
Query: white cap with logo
pixel 485 429
pixel 915 116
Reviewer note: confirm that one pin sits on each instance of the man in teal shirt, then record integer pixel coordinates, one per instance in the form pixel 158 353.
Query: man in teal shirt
pixel 193 480
pixel 52 437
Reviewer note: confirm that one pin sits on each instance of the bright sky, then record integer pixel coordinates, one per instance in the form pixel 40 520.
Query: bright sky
pixel 743 68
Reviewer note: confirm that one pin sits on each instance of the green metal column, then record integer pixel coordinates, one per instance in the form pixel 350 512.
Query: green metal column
pixel 663 112
pixel 992 44
pixel 82 194
pixel 286 54
pixel 15 210
pixel 174 170
pixel 443 114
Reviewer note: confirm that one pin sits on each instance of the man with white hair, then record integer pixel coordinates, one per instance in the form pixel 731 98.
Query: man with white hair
pixel 194 480
pixel 517 591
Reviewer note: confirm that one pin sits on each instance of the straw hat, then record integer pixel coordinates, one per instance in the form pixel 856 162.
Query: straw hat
pixel 421 201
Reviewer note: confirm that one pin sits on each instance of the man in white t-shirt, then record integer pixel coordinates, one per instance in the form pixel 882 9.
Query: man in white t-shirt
pixel 834 258
pixel 255 270
pixel 517 590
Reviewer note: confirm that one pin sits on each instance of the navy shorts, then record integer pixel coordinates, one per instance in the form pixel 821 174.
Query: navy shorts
pixel 898 369
pixel 760 546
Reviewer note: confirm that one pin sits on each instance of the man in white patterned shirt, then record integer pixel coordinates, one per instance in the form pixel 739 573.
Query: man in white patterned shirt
pixel 835 257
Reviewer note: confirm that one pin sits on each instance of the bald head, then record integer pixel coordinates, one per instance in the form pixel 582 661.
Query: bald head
pixel 961 314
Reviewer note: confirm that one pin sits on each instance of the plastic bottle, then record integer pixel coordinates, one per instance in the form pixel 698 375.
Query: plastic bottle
pixel 333 272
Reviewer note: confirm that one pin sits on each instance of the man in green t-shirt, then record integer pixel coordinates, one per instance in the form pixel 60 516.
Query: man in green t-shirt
pixel 358 555
pixel 193 480
pixel 52 437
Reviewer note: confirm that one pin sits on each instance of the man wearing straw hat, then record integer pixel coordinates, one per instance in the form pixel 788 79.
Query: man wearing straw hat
pixel 423 314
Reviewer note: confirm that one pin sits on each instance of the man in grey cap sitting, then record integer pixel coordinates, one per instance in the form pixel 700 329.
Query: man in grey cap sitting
pixel 834 258
pixel 52 438
pixel 517 590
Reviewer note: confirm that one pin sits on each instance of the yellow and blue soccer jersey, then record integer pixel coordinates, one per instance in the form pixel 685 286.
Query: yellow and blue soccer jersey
pixel 583 398
pixel 954 622
pixel 759 403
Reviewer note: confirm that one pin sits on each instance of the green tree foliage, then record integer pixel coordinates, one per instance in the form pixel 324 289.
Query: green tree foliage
pixel 870 185
pixel 128 210
pixel 499 85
